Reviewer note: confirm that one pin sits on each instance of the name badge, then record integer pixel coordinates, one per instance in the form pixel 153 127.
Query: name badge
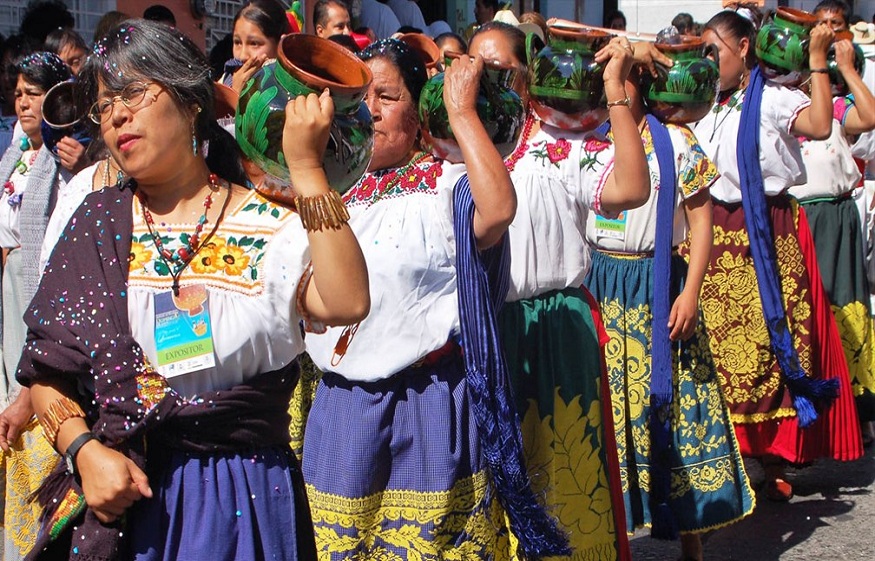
pixel 614 228
pixel 183 335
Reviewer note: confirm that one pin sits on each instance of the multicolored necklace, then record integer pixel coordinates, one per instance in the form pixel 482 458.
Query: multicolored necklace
pixel 734 101
pixel 177 260
pixel 523 146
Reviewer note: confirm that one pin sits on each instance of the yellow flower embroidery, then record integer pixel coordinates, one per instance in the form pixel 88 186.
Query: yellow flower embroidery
pixel 232 259
pixel 139 257
pixel 205 261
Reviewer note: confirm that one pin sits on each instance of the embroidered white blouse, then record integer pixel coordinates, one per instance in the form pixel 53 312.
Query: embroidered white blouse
pixel 780 156
pixel 558 180
pixel 634 231
pixel 404 224
pixel 251 269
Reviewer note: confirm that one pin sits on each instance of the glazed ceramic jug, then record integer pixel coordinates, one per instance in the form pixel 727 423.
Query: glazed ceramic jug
pixel 685 92
pixel 566 86
pixel 307 64
pixel 499 107
pixel 782 46
pixel 839 87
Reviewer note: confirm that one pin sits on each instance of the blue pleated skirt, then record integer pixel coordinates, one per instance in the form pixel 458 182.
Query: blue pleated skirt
pixel 237 507
pixel 394 470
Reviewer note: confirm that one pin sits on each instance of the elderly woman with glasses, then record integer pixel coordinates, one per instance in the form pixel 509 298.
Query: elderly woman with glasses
pixel 163 340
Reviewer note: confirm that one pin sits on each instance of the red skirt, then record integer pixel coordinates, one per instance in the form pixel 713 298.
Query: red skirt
pixel 759 401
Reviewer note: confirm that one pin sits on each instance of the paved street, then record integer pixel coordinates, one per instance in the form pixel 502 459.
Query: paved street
pixel 832 517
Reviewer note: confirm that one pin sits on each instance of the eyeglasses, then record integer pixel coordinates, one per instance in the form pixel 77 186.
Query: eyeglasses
pixel 132 96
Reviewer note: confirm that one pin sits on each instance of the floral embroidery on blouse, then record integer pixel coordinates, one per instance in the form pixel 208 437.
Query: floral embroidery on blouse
pixel 591 150
pixel 555 152
pixel 695 170
pixel 420 178
pixel 231 258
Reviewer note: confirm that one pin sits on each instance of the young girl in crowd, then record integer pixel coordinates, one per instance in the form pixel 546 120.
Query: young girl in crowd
pixel 258 28
pixel 772 335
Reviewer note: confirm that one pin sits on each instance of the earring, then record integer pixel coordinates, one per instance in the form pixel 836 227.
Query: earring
pixel 193 136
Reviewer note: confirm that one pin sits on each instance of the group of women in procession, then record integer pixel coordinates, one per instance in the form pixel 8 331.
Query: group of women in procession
pixel 518 357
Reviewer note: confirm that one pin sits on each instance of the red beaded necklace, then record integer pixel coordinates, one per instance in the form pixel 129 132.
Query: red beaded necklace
pixel 523 146
pixel 177 260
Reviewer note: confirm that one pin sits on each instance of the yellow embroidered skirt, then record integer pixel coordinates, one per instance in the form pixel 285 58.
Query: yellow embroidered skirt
pixel 394 470
pixel 838 240
pixel 555 362
pixel 709 487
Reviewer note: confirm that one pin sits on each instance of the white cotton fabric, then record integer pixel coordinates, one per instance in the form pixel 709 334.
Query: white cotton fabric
pixel 409 246
pixel 255 322
pixel 780 156
pixel 829 165
pixel 548 235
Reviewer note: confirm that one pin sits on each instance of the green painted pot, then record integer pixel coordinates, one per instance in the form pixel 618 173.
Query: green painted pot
pixel 307 64
pixel 782 46
pixel 566 87
pixel 685 92
pixel 499 107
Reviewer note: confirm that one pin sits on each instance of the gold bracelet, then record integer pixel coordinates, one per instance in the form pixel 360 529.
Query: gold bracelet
pixel 322 211
pixel 627 101
pixel 55 414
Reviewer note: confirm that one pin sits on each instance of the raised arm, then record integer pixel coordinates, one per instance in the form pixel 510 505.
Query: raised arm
pixel 491 188
pixel 338 293
pixel 628 186
pixel 815 121
pixel 860 117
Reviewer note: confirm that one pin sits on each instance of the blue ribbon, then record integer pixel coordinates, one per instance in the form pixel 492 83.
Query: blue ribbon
pixel 803 389
pixel 483 282
pixel 663 523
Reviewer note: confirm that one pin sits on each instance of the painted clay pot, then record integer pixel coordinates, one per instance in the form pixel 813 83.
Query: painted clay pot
pixel 426 48
pixel 499 107
pixel 782 46
pixel 64 114
pixel 839 87
pixel 685 92
pixel 307 64
pixel 566 87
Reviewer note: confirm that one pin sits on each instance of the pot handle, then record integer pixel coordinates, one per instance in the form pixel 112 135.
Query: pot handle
pixel 532 47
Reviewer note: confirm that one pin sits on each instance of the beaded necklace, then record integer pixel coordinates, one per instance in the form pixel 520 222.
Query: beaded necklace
pixel 177 260
pixel 732 103
pixel 523 146
pixel 119 175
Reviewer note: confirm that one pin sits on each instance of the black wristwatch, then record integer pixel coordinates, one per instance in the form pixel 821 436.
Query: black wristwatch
pixel 73 450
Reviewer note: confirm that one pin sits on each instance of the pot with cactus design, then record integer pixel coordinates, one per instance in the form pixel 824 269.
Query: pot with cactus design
pixel 684 92
pixel 566 87
pixel 782 46
pixel 499 107
pixel 307 64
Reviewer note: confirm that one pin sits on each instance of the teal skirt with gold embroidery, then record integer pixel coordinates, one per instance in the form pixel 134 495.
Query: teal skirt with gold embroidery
pixel 554 358
pixel 710 488
pixel 394 470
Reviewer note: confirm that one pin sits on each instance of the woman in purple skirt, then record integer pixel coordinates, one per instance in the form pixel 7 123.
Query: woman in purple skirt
pixel 163 340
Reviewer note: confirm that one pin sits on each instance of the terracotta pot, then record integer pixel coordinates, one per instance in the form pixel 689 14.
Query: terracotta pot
pixel 566 87
pixel 307 64
pixel 426 48
pixel 499 107
pixel 782 46
pixel 685 92
pixel 839 87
